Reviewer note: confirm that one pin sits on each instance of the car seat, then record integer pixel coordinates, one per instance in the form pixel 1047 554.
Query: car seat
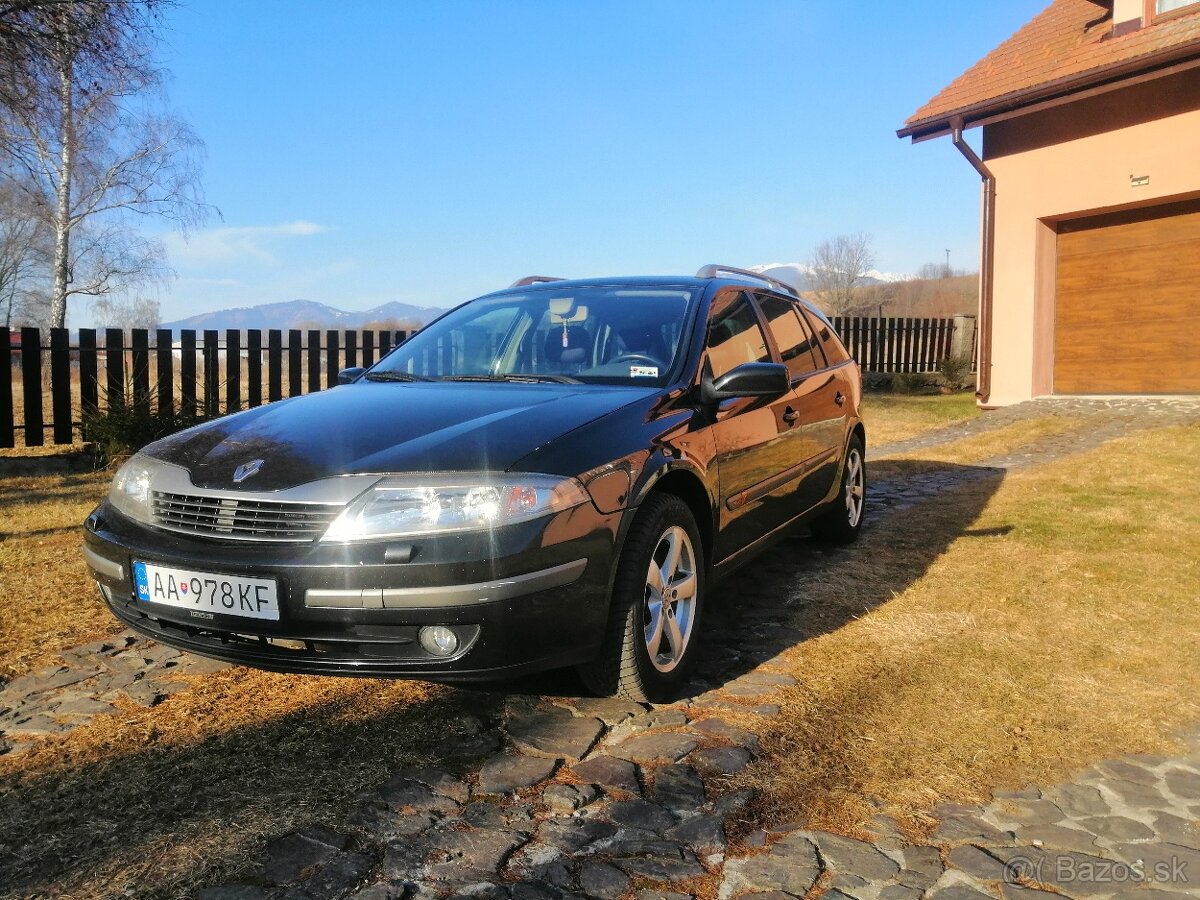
pixel 572 357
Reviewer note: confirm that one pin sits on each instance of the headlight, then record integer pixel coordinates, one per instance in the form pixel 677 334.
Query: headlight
pixel 411 505
pixel 130 491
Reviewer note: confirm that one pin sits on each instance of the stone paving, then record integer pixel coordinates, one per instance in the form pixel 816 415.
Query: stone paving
pixel 577 798
pixel 57 698
pixel 618 801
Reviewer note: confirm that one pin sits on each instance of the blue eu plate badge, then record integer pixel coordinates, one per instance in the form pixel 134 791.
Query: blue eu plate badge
pixel 141 581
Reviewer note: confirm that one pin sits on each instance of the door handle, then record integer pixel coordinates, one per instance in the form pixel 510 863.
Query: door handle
pixel 790 416
pixel 839 398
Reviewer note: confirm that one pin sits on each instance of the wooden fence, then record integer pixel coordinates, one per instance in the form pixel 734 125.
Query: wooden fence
pixel 208 373
pixel 54 384
pixel 903 344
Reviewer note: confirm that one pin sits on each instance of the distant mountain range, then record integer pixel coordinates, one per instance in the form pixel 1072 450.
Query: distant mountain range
pixel 309 313
pixel 799 275
pixel 303 313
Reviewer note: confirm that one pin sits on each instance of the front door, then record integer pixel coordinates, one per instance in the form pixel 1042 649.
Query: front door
pixel 753 436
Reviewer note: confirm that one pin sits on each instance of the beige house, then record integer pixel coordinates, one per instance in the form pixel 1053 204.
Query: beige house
pixel 1090 281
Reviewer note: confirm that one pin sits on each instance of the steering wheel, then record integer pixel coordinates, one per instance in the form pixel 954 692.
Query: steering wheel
pixel 637 357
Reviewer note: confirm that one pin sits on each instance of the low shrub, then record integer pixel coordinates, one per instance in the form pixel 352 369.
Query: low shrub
pixel 122 428
pixel 909 383
pixel 956 374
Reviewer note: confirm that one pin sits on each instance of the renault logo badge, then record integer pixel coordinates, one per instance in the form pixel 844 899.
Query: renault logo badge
pixel 245 470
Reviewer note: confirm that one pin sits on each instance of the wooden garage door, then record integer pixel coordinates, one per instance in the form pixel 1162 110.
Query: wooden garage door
pixel 1127 305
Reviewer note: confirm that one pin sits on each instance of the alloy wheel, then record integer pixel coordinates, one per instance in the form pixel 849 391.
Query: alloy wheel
pixel 854 487
pixel 671 586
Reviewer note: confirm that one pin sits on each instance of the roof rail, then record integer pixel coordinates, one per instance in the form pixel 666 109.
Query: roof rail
pixel 714 270
pixel 534 279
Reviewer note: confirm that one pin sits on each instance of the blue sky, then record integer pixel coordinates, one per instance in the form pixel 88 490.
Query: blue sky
pixel 431 151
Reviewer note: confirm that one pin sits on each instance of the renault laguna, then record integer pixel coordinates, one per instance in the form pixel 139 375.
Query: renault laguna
pixel 550 475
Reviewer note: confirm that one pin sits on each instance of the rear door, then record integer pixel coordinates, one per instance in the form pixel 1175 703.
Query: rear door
pixel 835 395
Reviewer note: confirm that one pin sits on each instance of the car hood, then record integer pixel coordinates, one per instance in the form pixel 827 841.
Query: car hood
pixel 388 427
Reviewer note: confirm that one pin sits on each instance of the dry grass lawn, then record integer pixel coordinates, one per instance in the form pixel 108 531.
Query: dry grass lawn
pixel 898 417
pixel 1057 630
pixel 50 603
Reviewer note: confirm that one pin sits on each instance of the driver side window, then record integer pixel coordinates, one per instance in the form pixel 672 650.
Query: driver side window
pixel 734 336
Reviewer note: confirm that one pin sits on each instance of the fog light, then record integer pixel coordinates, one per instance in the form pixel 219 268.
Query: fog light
pixel 438 640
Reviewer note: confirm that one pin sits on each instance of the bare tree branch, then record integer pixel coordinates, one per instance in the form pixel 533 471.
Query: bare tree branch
pixel 839 269
pixel 82 116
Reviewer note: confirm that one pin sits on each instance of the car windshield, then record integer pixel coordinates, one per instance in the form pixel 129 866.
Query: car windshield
pixel 591 335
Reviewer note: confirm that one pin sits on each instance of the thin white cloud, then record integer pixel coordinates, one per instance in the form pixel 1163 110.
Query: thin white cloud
pixel 227 245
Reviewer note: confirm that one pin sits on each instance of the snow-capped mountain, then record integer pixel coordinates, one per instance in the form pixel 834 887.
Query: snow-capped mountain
pixel 799 275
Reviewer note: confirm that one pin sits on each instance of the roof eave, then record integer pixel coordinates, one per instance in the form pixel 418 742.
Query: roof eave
pixel 1096 80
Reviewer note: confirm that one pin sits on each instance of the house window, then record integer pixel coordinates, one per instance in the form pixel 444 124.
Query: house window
pixel 1166 6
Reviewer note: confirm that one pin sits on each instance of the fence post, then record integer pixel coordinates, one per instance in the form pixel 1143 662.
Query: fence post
pixel 274 365
pixel 31 377
pixel 6 397
pixel 963 338
pixel 139 341
pixel 314 361
pixel 331 358
pixel 60 385
pixel 89 380
pixel 368 349
pixel 114 368
pixel 188 404
pixel 233 370
pixel 165 369
pixel 212 373
pixel 253 368
pixel 295 363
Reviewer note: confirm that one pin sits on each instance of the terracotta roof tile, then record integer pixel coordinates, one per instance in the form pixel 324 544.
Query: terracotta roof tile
pixel 1068 38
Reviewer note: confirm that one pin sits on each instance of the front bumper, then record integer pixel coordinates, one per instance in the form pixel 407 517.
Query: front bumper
pixel 520 599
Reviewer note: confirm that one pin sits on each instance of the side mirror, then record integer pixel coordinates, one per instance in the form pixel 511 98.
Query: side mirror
pixel 349 376
pixel 747 380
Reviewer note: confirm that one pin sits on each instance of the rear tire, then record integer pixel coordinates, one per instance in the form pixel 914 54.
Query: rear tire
pixel 843 522
pixel 656 606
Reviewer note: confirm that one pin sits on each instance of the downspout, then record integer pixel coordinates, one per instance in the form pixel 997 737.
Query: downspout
pixel 983 391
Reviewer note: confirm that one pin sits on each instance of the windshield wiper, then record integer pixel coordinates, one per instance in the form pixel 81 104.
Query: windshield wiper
pixel 519 378
pixel 394 376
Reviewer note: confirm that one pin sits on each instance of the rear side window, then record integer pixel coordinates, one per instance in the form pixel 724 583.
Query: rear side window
pixel 834 351
pixel 734 336
pixel 797 346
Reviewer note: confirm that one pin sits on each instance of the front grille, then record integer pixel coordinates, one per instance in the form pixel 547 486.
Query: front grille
pixel 246 520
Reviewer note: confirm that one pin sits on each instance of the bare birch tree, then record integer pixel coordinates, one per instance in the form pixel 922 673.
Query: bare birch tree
pixel 25 252
pixel 86 126
pixel 839 269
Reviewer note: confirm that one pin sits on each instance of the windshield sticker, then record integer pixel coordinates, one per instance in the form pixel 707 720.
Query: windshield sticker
pixel 643 371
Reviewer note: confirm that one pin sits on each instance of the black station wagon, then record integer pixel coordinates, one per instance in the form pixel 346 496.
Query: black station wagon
pixel 550 475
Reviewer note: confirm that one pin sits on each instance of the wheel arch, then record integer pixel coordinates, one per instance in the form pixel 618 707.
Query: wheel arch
pixel 688 487
pixel 861 432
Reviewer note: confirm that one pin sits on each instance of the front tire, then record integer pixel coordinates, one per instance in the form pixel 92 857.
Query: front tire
pixel 656 606
pixel 843 523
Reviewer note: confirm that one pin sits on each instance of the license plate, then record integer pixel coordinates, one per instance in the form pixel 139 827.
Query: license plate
pixel 229 595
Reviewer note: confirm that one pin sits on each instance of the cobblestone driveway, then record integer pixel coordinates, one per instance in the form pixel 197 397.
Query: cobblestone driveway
pixel 567 798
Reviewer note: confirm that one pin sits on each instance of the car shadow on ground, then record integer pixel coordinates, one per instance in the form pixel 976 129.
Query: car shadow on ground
pixel 80 817
pixel 763 608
